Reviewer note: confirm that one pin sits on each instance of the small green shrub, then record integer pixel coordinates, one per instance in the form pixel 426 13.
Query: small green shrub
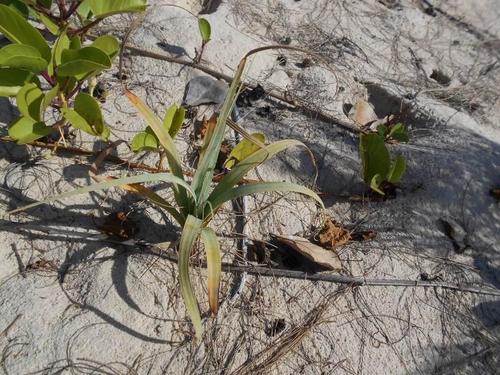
pixel 42 74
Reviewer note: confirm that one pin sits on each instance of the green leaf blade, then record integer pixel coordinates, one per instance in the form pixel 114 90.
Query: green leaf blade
pixel 80 62
pixel 374 155
pixel 108 44
pixel 205 30
pixel 174 118
pixel 190 232
pixel 22 56
pixel 101 8
pixel 18 30
pixel 12 80
pixel 397 171
pixel 29 101
pixel 214 267
pixel 259 187
pixel 246 165
pixel 146 177
pixel 144 141
pixel 25 130
pixel 244 149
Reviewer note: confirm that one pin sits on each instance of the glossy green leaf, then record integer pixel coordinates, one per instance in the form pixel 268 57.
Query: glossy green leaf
pixel 18 30
pixel 101 8
pixel 205 29
pixel 49 97
pixel 144 141
pixel 23 57
pixel 174 119
pixel 212 250
pixel 62 43
pixel 146 177
pixel 12 80
pixel 374 155
pixel 399 133
pixel 29 101
pixel 108 44
pixel 375 183
pixel 397 171
pixel 48 23
pixel 77 63
pixel 244 149
pixel 87 116
pixel 190 232
pixel 382 130
pixel 17 5
pixel 26 130
pixel 46 3
pixel 75 42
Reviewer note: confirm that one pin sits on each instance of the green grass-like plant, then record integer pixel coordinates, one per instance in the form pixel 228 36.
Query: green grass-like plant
pixel 42 74
pixel 196 203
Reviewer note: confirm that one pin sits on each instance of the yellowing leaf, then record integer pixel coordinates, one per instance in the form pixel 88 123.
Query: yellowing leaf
pixel 244 149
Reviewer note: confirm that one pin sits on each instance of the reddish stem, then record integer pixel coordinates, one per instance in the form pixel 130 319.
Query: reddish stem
pixel 48 78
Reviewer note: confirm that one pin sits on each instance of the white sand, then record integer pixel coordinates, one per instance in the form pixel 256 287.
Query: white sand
pixel 119 312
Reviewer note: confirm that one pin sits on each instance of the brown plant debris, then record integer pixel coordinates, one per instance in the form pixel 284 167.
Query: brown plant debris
pixel 333 235
pixel 328 259
pixel 118 225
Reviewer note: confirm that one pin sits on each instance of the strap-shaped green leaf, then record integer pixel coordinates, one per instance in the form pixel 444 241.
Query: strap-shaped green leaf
pixel 146 177
pixel 104 8
pixel 212 250
pixel 246 165
pixel 22 56
pixel 26 130
pixel 205 171
pixel 18 30
pixel 12 80
pixel 30 101
pixel 190 233
pixel 258 187
pixel 168 145
pixel 78 63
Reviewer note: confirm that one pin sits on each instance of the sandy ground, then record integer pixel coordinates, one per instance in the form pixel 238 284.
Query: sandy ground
pixel 72 303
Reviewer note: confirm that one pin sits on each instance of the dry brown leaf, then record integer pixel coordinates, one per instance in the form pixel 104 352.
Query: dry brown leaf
pixel 362 113
pixel 333 235
pixel 207 126
pixel 326 258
